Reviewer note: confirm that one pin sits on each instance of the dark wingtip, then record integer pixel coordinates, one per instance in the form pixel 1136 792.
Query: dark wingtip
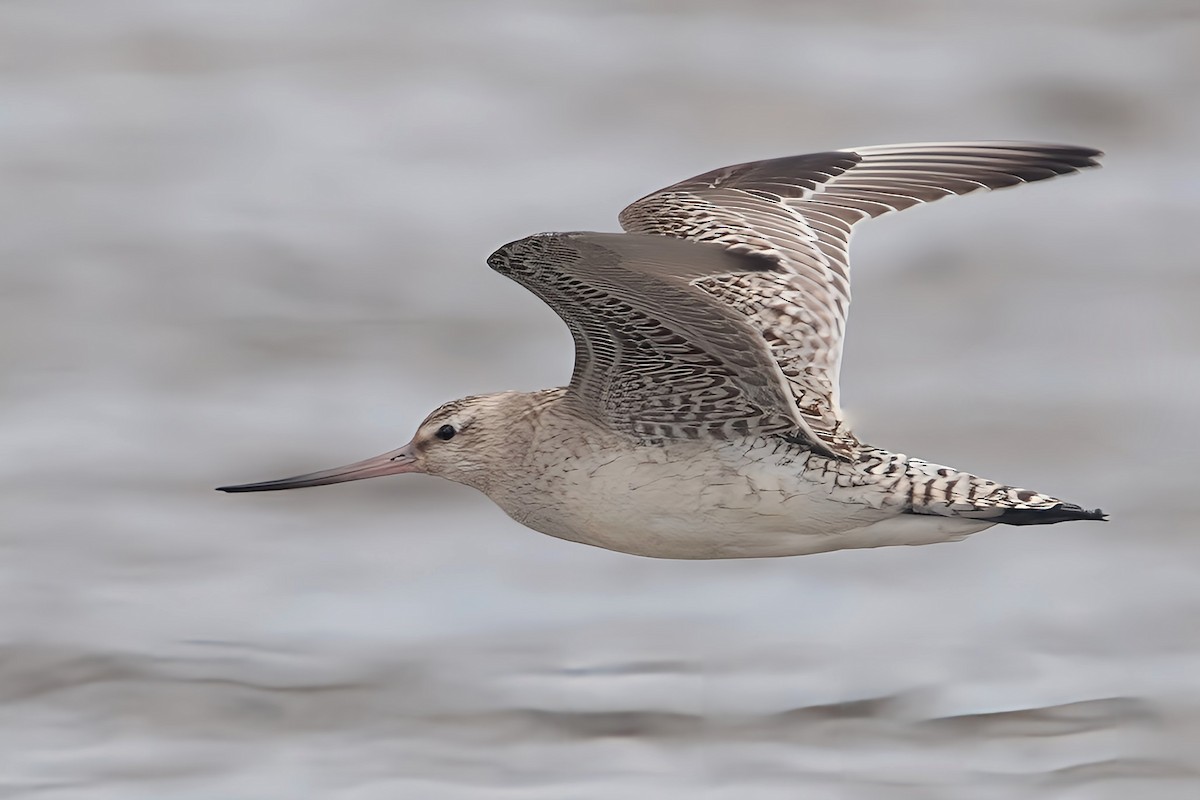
pixel 1091 158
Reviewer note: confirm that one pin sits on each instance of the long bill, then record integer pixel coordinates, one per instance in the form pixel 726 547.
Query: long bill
pixel 394 463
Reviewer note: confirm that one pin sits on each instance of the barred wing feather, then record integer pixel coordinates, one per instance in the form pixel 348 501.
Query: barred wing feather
pixel 798 213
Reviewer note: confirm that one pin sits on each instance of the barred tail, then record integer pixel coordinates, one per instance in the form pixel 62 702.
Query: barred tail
pixel 942 491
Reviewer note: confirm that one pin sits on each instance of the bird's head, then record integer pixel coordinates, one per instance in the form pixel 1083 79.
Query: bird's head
pixel 460 441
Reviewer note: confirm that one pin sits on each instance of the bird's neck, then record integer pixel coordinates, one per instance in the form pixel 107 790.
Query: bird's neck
pixel 518 416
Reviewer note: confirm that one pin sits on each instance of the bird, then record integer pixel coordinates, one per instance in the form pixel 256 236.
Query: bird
pixel 702 418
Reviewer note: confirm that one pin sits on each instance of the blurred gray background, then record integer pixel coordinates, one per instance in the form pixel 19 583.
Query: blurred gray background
pixel 246 239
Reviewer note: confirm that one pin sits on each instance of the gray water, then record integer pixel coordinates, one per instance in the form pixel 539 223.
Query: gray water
pixel 245 240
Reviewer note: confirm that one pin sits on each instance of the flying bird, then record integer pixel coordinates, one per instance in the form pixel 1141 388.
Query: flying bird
pixel 702 418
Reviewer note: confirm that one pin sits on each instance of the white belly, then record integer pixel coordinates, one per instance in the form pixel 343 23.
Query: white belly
pixel 703 503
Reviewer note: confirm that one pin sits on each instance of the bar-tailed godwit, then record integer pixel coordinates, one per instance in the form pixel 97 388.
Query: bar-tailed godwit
pixel 702 418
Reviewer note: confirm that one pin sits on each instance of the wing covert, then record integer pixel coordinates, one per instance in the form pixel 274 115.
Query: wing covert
pixel 655 355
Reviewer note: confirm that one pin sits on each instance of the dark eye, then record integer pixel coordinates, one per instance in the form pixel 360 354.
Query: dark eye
pixel 445 432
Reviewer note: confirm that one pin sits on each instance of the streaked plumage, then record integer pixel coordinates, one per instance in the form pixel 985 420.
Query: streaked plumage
pixel 702 418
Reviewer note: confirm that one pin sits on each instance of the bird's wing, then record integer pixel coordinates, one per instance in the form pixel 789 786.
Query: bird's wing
pixel 798 213
pixel 656 356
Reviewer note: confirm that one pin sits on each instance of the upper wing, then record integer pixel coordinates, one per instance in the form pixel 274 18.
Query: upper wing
pixel 798 213
pixel 654 355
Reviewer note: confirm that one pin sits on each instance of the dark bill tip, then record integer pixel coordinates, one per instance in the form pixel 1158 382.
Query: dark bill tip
pixel 263 486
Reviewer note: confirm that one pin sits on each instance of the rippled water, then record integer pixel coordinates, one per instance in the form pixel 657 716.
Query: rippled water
pixel 247 240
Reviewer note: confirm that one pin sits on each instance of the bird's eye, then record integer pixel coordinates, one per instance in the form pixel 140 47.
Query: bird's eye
pixel 445 432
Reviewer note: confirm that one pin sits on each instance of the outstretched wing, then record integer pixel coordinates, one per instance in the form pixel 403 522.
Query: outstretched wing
pixel 798 214
pixel 655 356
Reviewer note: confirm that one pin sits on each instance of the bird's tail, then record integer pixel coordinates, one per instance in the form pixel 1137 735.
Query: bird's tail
pixel 943 491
